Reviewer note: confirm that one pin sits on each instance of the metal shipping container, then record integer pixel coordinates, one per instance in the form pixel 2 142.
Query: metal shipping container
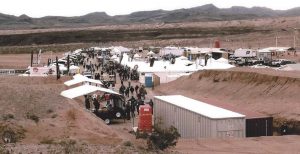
pixel 259 127
pixel 195 119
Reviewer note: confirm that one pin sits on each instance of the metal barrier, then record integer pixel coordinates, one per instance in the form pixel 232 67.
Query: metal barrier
pixel 7 72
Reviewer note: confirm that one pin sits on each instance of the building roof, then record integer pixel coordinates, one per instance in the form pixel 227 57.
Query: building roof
pixel 84 90
pixel 199 107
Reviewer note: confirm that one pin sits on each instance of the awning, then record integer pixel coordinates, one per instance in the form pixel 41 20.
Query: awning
pixel 78 78
pixel 84 90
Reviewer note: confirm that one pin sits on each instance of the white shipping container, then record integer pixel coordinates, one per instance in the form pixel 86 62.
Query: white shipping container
pixel 244 53
pixel 195 119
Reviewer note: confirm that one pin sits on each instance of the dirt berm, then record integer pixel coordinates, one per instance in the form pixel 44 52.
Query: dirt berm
pixel 266 91
pixel 35 113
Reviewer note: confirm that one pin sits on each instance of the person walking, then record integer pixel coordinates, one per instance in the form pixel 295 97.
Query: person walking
pixel 131 90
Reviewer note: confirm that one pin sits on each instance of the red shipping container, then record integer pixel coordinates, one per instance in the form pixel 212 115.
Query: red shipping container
pixel 145 118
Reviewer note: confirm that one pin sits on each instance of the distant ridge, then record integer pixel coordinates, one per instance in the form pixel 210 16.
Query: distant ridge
pixel 207 12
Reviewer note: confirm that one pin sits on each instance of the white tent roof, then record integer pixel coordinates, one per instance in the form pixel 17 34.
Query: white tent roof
pixel 83 90
pixel 204 109
pixel 78 78
pixel 150 53
pixel 183 58
pixel 74 67
pixel 114 57
pixel 136 56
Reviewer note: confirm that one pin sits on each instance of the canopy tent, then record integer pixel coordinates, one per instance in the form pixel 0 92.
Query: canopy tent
pixel 78 78
pixel 84 90
pixel 114 57
pixel 150 53
pixel 136 56
pixel 74 69
pixel 183 58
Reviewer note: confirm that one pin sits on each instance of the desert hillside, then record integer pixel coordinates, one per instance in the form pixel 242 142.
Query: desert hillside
pixel 34 112
pixel 264 91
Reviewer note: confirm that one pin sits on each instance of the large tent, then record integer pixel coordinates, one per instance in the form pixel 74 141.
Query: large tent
pixel 84 90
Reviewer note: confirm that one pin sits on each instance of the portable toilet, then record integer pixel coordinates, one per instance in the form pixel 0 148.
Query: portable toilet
pixel 148 80
pixel 145 118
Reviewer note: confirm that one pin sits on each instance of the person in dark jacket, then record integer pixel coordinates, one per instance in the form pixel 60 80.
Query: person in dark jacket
pixel 132 106
pixel 136 89
pixel 87 102
pixel 131 90
pixel 127 110
pixel 96 104
pixel 151 104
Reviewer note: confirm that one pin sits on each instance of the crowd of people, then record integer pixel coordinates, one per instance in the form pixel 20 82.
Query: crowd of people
pixel 134 94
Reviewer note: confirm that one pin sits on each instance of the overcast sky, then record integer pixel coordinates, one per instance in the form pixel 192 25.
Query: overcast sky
pixel 39 8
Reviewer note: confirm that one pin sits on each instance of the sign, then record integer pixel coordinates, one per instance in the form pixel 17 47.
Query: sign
pixel 41 71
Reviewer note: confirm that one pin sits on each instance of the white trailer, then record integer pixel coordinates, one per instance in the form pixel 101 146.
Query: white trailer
pixel 244 53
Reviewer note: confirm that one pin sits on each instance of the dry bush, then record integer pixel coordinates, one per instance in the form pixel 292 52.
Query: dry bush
pixel 71 114
pixel 11 133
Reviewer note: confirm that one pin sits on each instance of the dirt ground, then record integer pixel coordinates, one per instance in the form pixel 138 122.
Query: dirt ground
pixel 22 61
pixel 58 119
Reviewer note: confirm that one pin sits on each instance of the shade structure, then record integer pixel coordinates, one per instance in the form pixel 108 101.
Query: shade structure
pixel 78 78
pixel 150 53
pixel 136 56
pixel 84 90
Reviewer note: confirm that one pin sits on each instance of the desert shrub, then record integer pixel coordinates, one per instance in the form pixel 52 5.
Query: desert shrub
pixel 33 117
pixel 11 133
pixel 142 135
pixel 71 114
pixel 127 143
pixel 47 141
pixel 71 146
pixel 50 111
pixel 54 116
pixel 163 138
pixel 9 116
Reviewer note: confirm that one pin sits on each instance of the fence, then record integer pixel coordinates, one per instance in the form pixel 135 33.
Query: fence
pixel 7 72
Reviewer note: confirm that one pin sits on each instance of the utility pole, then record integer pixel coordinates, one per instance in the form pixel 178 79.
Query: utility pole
pixel 68 64
pixel 31 59
pixel 57 69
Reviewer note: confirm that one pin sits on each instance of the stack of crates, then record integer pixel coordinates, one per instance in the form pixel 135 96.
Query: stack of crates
pixel 145 118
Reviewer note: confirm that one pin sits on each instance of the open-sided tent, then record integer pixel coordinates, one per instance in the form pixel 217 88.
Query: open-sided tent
pixel 150 53
pixel 78 78
pixel 136 56
pixel 84 90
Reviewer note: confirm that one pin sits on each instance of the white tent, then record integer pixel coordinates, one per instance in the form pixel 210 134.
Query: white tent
pixel 83 90
pixel 114 57
pixel 136 56
pixel 150 53
pixel 78 78
pixel 183 58
pixel 119 50
pixel 74 69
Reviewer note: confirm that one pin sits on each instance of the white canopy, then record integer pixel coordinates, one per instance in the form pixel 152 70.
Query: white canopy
pixel 78 78
pixel 114 57
pixel 136 56
pixel 150 53
pixel 183 58
pixel 83 90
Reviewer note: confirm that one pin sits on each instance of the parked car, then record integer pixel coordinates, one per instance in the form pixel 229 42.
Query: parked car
pixel 116 111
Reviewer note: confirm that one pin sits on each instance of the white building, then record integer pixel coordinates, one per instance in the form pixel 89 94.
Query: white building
pixel 171 50
pixel 244 53
pixel 194 119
